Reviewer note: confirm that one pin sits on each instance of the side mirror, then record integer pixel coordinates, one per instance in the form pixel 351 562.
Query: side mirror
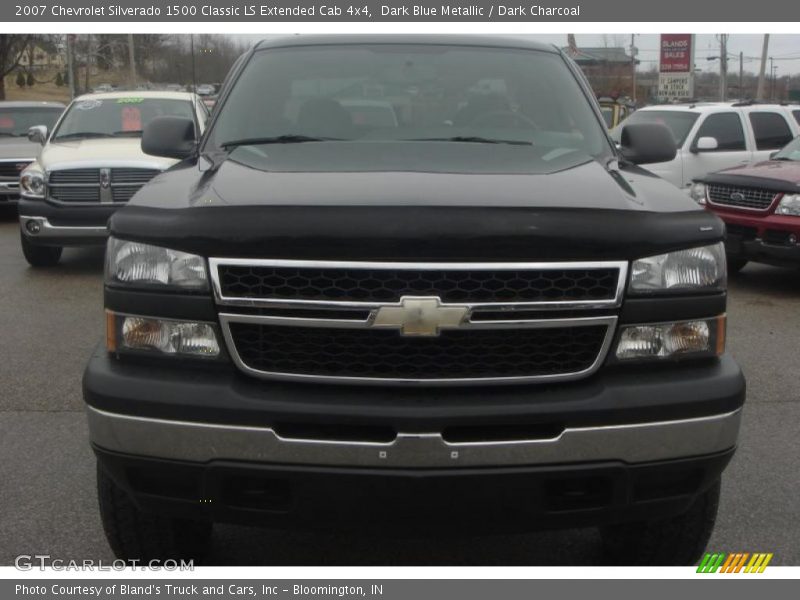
pixel 706 144
pixel 38 134
pixel 643 143
pixel 171 137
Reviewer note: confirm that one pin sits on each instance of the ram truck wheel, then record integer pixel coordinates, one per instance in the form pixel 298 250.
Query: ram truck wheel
pixel 676 541
pixel 136 535
pixel 736 264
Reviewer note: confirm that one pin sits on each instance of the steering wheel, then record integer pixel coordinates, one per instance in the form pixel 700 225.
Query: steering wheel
pixel 501 117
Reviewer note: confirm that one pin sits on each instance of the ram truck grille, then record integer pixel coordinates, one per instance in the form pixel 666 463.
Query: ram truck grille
pixel 741 197
pixel 93 186
pixel 420 323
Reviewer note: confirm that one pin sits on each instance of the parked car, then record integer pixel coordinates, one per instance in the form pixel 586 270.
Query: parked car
pixel 16 152
pixel 718 135
pixel 205 89
pixel 90 165
pixel 494 325
pixel 760 205
pixel 615 110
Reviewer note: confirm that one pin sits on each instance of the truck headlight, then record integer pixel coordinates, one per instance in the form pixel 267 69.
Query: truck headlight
pixel 701 269
pixel 32 184
pixel 141 265
pixel 152 335
pixel 695 338
pixel 698 192
pixel 789 205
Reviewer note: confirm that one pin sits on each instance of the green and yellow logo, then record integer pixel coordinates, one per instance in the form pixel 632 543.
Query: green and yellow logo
pixel 736 562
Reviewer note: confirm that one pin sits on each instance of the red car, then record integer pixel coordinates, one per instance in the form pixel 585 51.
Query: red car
pixel 760 205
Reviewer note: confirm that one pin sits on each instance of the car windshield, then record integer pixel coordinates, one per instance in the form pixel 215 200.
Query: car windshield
pixel 790 151
pixel 16 121
pixel 678 122
pixel 410 92
pixel 117 117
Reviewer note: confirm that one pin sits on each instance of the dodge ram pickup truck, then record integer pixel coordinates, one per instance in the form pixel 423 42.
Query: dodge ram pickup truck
pixel 481 315
pixel 91 163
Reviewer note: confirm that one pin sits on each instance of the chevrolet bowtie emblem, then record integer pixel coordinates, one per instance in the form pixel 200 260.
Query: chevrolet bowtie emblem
pixel 423 316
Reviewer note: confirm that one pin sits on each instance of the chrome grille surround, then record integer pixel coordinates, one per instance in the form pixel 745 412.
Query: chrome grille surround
pixel 741 197
pixel 287 312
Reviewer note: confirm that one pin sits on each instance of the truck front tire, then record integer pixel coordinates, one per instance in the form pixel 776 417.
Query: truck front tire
pixel 39 256
pixel 676 541
pixel 136 535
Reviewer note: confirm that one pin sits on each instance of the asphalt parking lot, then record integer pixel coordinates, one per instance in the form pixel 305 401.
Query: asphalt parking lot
pixel 51 319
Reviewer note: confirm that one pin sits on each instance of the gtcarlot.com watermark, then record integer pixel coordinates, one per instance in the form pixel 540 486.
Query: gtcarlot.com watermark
pixel 29 562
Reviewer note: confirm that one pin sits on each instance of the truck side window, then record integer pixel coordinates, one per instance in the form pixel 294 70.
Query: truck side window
pixel 796 114
pixel 726 128
pixel 771 130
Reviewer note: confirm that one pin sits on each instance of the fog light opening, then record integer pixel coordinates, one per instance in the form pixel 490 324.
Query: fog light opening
pixel 33 227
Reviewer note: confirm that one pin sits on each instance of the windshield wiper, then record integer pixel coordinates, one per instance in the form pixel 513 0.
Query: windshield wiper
pixel 83 134
pixel 780 158
pixel 10 134
pixel 473 139
pixel 278 139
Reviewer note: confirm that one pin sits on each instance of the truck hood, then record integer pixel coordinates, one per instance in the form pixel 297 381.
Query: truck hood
pixel 99 152
pixel 780 172
pixel 17 147
pixel 427 200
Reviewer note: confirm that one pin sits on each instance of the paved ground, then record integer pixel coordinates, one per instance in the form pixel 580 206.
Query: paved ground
pixel 51 319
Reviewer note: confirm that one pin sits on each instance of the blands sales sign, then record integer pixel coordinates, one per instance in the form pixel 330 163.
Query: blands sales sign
pixel 676 53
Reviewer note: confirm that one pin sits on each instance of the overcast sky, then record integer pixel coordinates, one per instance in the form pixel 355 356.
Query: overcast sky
pixel 784 48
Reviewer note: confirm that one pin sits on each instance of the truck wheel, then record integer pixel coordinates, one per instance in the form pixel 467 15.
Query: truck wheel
pixel 676 541
pixel 133 534
pixel 40 256
pixel 736 264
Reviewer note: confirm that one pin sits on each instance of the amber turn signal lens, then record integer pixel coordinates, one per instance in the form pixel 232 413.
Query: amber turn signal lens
pixel 111 331
pixel 722 324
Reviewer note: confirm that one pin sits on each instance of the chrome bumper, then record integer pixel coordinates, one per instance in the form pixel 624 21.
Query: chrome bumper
pixel 203 442
pixel 47 230
pixel 9 188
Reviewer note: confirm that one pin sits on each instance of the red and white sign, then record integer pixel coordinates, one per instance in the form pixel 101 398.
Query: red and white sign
pixel 677 53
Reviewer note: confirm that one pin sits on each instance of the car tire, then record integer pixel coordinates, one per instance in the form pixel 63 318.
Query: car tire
pixel 676 541
pixel 138 536
pixel 39 256
pixel 736 264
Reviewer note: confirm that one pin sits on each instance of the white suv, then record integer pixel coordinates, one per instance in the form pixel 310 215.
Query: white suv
pixel 717 135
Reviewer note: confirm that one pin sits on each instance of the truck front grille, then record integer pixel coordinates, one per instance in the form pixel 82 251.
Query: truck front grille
pixel 11 170
pixel 84 185
pixel 741 197
pixel 431 323
pixel 453 355
pixel 388 284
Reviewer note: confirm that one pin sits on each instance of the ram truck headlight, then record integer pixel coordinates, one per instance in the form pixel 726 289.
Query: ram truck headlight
pixel 789 205
pixel 153 335
pixel 698 192
pixel 133 264
pixel 32 184
pixel 674 340
pixel 701 269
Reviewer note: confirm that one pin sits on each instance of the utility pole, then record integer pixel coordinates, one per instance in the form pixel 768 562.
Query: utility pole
pixel 132 60
pixel 741 76
pixel 194 74
pixel 633 69
pixel 723 67
pixel 70 69
pixel 761 71
pixel 771 79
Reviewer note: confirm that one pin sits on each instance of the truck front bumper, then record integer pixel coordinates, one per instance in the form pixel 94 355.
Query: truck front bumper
pixel 214 444
pixel 46 224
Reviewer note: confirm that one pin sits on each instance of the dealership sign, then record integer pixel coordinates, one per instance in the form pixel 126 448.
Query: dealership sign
pixel 676 66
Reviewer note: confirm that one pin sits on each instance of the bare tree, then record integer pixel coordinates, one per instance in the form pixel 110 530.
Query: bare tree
pixel 12 49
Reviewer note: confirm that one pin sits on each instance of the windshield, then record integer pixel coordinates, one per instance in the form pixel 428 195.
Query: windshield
pixel 410 92
pixel 790 151
pixel 117 117
pixel 678 122
pixel 16 121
